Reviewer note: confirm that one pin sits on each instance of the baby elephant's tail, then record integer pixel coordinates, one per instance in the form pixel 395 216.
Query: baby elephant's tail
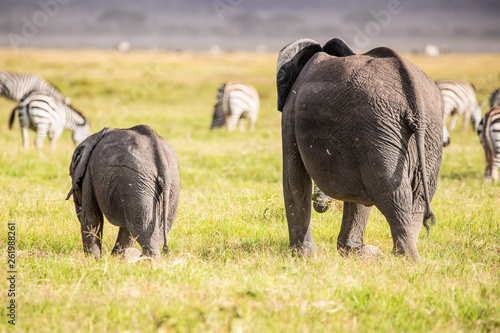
pixel 164 186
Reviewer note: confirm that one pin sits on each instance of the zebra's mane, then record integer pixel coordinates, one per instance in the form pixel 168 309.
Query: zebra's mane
pixel 78 112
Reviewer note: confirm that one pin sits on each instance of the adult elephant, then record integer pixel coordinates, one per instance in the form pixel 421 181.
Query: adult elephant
pixel 368 130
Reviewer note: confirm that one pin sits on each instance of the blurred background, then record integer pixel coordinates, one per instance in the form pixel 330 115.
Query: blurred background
pixel 250 25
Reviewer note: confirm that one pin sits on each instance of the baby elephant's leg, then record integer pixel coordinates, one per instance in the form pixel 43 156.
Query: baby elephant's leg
pixel 147 233
pixel 124 241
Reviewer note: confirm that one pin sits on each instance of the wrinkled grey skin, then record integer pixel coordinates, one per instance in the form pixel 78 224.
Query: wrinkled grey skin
pixel 368 130
pixel 132 176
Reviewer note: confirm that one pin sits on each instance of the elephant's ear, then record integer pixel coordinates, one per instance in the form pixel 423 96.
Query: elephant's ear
pixel 81 158
pixel 338 48
pixel 292 58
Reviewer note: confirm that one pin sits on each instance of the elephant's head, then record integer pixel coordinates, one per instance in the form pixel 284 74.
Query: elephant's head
pixel 80 160
pixel 293 57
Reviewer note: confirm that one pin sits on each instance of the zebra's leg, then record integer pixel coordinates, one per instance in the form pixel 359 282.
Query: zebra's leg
pixel 24 133
pixel 54 136
pixel 453 121
pixel 233 120
pixel 41 133
pixel 467 120
pixel 251 123
pixel 24 124
pixel 494 173
pixel 241 125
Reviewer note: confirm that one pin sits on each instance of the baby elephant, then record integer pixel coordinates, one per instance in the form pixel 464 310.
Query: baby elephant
pixel 132 176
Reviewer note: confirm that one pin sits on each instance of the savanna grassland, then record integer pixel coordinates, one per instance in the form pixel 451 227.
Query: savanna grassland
pixel 229 267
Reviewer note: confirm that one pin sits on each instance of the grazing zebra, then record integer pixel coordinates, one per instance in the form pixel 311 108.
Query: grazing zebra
pixel 495 99
pixel 489 135
pixel 46 115
pixel 14 86
pixel 235 101
pixel 460 98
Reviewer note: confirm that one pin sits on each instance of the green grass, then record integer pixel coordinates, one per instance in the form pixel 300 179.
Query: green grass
pixel 230 268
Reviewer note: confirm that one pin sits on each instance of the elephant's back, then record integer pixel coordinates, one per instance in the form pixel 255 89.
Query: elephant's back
pixel 137 152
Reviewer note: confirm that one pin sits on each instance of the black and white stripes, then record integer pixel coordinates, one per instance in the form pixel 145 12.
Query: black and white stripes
pixel 489 135
pixel 46 115
pixel 459 99
pixel 236 101
pixel 495 99
pixel 14 86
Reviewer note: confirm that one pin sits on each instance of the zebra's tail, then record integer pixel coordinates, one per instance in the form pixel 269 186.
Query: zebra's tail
pixel 225 98
pixel 12 117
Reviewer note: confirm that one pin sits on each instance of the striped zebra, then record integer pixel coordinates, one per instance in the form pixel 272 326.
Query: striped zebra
pixel 495 99
pixel 46 115
pixel 460 98
pixel 235 101
pixel 14 86
pixel 489 135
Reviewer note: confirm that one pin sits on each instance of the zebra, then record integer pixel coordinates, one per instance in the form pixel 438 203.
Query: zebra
pixel 235 101
pixel 495 99
pixel 15 85
pixel 489 135
pixel 460 98
pixel 46 115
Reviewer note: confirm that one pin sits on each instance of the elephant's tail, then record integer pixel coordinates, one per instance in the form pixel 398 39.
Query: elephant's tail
pixel 165 193
pixel 428 215
pixel 416 121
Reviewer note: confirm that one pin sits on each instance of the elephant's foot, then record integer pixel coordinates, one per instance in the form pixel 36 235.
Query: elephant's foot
pixel 364 251
pixel 306 250
pixel 408 251
pixel 93 250
pixel 131 254
pixel 118 251
pixel 321 202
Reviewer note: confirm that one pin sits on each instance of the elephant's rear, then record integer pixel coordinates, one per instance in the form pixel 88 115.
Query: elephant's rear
pixel 167 179
pixel 136 173
pixel 362 106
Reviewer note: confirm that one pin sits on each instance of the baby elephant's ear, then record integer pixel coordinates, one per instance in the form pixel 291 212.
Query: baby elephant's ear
pixel 81 158
pixel 291 60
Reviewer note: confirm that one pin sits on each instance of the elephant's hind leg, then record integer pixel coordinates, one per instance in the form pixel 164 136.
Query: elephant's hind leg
pixel 124 241
pixel 352 231
pixel 144 227
pixel 397 208
pixel 172 211
pixel 92 222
